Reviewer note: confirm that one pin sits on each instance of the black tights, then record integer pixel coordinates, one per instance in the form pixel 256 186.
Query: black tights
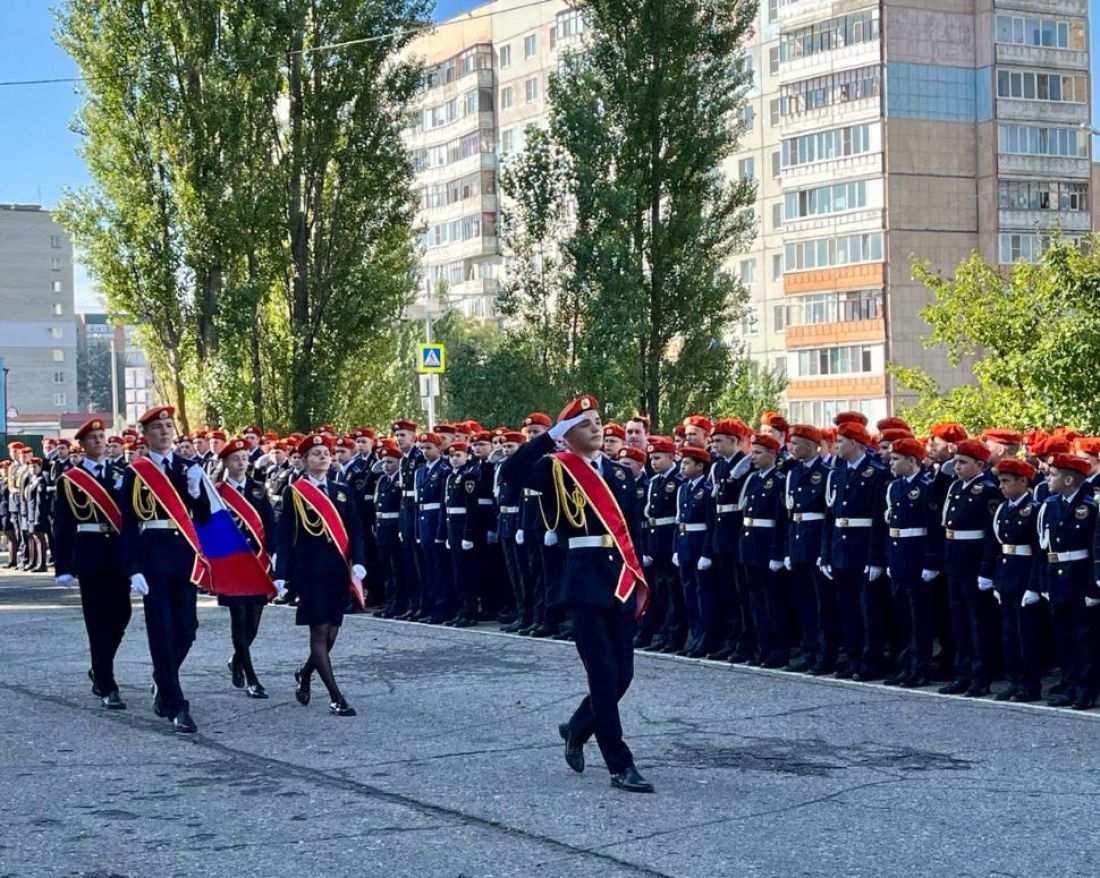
pixel 321 640
pixel 244 622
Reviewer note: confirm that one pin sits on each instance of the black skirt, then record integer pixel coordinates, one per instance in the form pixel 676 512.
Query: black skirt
pixel 241 600
pixel 322 599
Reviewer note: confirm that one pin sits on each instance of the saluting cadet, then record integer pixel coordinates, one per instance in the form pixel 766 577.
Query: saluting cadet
pixel 669 624
pixel 436 602
pixel 320 547
pixel 509 496
pixel 692 550
pixel 457 528
pixel 602 579
pixel 531 538
pixel 87 527
pixel 853 549
pixel 404 434
pixel 970 560
pixel 814 596
pixel 762 551
pixel 246 499
pixel 387 531
pixel 913 556
pixel 1015 525
pixel 162 498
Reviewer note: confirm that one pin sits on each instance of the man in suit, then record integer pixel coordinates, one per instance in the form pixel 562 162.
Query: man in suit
pixel 601 583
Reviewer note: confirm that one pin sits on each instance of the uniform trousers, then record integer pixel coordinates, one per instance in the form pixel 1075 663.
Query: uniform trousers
pixel 1021 640
pixel 804 591
pixel 171 620
pixel 972 612
pixel 534 573
pixel 674 627
pixel 699 603
pixel 770 603
pixel 605 643
pixel 874 604
pixel 849 584
pixel 395 600
pixel 106 604
pixel 410 581
pixel 919 598
pixel 1076 635
pixel 729 624
pixel 437 602
pixel 521 593
pixel 464 573
pixel 828 615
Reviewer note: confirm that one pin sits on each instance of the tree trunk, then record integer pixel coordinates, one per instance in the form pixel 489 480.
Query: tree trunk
pixel 299 244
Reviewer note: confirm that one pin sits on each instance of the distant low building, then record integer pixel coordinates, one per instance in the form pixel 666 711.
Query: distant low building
pixel 95 335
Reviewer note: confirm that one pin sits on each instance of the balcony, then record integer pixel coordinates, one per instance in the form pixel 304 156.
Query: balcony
pixel 824 280
pixel 481 161
pixel 486 77
pixel 482 203
pixel 1029 220
pixel 426 137
pixel 796 12
pixel 863 110
pixel 1050 167
pixel 1037 56
pixel 864 220
pixel 1056 8
pixel 834 169
pixel 859 55
pixel 816 335
pixel 1049 112
pixel 838 387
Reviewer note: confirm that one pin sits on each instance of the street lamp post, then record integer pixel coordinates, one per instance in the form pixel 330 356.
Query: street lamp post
pixel 4 412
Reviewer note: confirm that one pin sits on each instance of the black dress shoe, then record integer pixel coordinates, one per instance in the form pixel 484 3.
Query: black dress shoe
pixel 543 631
pixel 897 679
pixel 1058 688
pixel 915 681
pixel 844 673
pixel 1063 700
pixel 407 616
pixel 697 653
pixel 800 665
pixel 1005 694
pixel 1084 704
pixel 158 708
pixel 821 670
pixel 683 651
pixel 464 623
pixel 632 781
pixel 955 687
pixel 655 645
pixel 563 635
pixel 238 674
pixel 113 701
pixel 302 693
pixel 739 657
pixel 1026 696
pixel 671 648
pixel 341 708
pixel 720 655
pixel 514 627
pixel 96 691
pixel 183 723
pixel 379 614
pixel 977 690
pixel 574 752
pixel 640 642
pixel 526 630
pixel 255 690
pixel 774 663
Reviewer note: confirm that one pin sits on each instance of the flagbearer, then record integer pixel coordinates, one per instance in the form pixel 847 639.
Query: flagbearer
pixel 602 583
pixel 162 500
pixel 247 500
pixel 87 523
pixel 320 550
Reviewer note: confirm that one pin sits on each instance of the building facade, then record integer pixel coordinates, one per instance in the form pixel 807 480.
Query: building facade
pixel 100 341
pixel 37 326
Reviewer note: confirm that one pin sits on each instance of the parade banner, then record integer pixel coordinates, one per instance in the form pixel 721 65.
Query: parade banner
pixel 102 500
pixel 162 489
pixel 326 510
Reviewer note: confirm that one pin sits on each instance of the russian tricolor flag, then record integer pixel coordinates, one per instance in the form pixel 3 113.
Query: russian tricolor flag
pixel 234 569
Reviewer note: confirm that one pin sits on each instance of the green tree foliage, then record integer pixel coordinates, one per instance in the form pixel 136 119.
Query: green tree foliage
pixel 1031 335
pixel 93 371
pixel 251 204
pixel 752 392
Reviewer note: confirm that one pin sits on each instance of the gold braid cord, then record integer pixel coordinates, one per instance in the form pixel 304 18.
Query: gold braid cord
pixel 83 510
pixel 571 503
pixel 315 526
pixel 145 504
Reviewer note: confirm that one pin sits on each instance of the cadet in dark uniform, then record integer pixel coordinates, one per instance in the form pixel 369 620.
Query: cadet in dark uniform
pixel 634 459
pixel 509 496
pixel 86 545
pixel 600 582
pixel 404 434
pixel 669 623
pixel 530 537
pixel 436 603
pixel 494 588
pixel 387 531
pixel 310 557
pixel 161 562
pixel 692 550
pixel 458 529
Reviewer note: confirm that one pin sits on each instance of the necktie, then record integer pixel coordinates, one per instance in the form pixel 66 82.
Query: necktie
pixel 99 471
pixel 167 466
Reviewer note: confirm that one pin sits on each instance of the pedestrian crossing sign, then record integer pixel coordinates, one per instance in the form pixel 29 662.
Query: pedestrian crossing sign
pixel 431 359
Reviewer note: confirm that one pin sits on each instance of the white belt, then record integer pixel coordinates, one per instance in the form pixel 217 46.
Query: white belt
pixel 662 522
pixel 456 510
pixel 484 501
pixel 854 522
pixel 1063 557
pixel 692 528
pixel 387 516
pixel 900 533
pixel 509 510
pixel 601 542
pixel 1009 549
pixel 728 507
pixel 97 528
pixel 428 507
pixel 964 534
pixel 531 492
pixel 807 516
pixel 158 524
pixel 408 493
pixel 759 522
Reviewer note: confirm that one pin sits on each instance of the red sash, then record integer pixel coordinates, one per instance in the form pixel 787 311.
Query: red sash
pixel 103 501
pixel 326 510
pixel 248 516
pixel 599 497
pixel 169 499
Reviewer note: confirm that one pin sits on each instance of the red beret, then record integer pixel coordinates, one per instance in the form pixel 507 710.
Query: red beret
pixel 695 453
pixel 139 443
pixel 363 433
pixel 483 436
pixel 183 438
pixel 908 446
pixel 444 428
pixel 1088 445
pixel 732 427
pixel 157 413
pixel 88 426
pixel 313 440
pixel 130 431
pixel 641 419
pixel 345 442
pixel 1074 464
pixel 893 434
pixel 828 434
pixel 1014 467
pixel 1051 445
pixel 410 426
pixel 661 445
pixel 855 431
pixel 543 420
pixel 700 421
pixel 270 436
pixel 218 434
pixel 612 429
pixel 578 406
pixel 231 446
pixel 949 432
pixel 679 432
pixel 282 446
pixel 457 446
pixel 116 440
pixel 473 427
pixel 433 438
pixel 390 451
pixel 1033 436
pixel 1004 437
pixel 514 436
pixel 850 418
pixel 893 423
pixel 766 441
pixel 805 431
pixel 1066 433
pixel 774 420
pixel 36 461
pixel 972 448
pixel 253 429
pixel 632 454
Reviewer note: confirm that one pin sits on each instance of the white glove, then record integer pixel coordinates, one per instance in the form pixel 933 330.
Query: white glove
pixel 280 587
pixel 491 538
pixel 519 537
pixel 359 571
pixel 550 538
pixel 704 564
pixel 787 562
pixel 984 583
pixel 873 573
pixel 1045 595
pixel 1030 597
pixel 138 585
pixel 948 469
pixel 928 575
pixel 996 596
pixel 1092 602
pixel 447 544
pixel 826 570
pixel 742 467
pixel 563 427
pixel 467 545
pixel 675 559
pixel 647 561
pixel 775 566
pixel 66 580
pixel 194 478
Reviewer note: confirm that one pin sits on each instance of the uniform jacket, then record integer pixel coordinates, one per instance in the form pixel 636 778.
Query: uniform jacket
pixel 726 489
pixel 908 513
pixel 762 506
pixel 430 481
pixel 693 509
pixel 86 554
pixel 969 506
pixel 1015 525
pixel 662 494
pixel 854 535
pixel 1069 525
pixel 387 503
pixel 304 551
pixel 804 504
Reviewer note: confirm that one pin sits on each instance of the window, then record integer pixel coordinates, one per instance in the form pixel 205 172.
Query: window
pixel 1022 245
pixel 567 24
pixel 855 359
pixel 748 271
pixel 504 55
pixel 58 377
pixel 507 141
pixel 822 146
pixel 748 117
pixel 829 90
pixel 1033 140
pixel 56 332
pixel 59 399
pixel 836 307
pixel 55 242
pixel 777 266
pixel 777 215
pixel 55 265
pixel 531 90
pixel 773 10
pixel 55 286
pixel 830 252
pixel 1042 195
pixel 1032 86
pixel 746 169
pixel 837 198
pixel 750 323
pixel 530 46
pixel 58 355
pixel 773 60
pixel 507 97
pixel 835 33
pixel 1045 32
pixel 773 112
pixel 776 165
pixel 58 309
pixel 779 318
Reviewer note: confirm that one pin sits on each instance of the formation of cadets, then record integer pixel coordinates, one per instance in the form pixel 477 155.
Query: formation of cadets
pixel 858 551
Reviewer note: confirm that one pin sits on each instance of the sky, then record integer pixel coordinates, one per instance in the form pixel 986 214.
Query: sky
pixel 38 152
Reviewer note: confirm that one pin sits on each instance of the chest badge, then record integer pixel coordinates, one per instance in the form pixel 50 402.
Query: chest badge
pixel 670 487
pixel 620 475
pixel 769 484
pixel 1025 511
pixel 977 489
pixel 470 487
pixel 1081 513
pixel 867 473
pixel 341 496
pixel 700 494
pixel 815 478
pixel 914 494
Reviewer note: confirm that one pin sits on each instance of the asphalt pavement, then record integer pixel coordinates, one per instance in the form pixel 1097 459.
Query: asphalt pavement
pixel 453 766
